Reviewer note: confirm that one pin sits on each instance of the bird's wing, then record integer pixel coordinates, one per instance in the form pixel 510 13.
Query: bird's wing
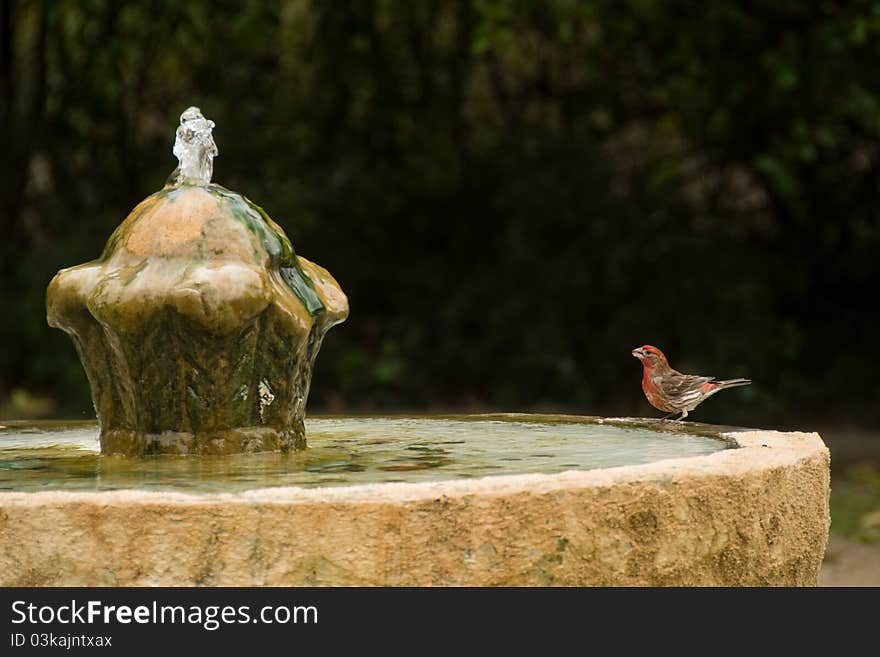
pixel 682 387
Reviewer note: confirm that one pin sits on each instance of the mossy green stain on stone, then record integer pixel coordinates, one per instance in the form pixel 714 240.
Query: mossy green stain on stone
pixel 277 245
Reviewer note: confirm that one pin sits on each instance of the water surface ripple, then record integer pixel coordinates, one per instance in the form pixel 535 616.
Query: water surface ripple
pixel 38 456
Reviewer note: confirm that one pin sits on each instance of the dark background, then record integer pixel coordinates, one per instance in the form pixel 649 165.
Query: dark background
pixel 513 194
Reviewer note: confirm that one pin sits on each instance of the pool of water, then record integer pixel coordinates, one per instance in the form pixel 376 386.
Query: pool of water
pixel 38 456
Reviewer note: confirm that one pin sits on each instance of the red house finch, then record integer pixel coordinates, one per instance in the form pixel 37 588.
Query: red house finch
pixel 673 391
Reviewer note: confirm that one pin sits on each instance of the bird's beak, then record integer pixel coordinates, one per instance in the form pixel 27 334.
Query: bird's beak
pixel 638 353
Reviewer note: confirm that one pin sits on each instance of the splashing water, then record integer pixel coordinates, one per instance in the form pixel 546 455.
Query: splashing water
pixel 194 147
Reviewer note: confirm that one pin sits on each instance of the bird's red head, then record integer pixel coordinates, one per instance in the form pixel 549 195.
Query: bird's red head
pixel 650 356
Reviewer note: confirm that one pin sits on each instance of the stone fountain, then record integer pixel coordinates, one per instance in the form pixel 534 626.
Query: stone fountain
pixel 198 328
pixel 199 325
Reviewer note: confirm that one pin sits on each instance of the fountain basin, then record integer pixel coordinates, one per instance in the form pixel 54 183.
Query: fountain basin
pixel 756 514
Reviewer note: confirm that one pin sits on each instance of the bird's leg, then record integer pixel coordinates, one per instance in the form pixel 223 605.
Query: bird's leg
pixel 684 414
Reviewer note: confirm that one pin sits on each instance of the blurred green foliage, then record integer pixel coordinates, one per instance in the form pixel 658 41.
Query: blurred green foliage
pixel 514 194
pixel 855 503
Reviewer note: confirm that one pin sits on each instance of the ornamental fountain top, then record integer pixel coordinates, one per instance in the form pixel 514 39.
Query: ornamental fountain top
pixel 199 325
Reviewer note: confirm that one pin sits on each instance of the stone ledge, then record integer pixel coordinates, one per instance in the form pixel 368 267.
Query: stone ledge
pixel 756 515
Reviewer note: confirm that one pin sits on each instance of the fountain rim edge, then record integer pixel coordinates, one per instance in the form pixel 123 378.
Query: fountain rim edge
pixel 755 450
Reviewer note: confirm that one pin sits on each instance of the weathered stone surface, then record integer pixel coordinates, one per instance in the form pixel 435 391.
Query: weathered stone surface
pixel 198 326
pixel 757 515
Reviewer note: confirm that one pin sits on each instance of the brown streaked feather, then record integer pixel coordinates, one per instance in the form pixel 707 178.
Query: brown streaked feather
pixel 675 384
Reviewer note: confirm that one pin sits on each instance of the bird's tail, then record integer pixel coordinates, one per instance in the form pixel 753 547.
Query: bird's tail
pixel 733 383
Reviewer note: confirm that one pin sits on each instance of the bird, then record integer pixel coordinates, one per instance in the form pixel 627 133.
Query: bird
pixel 673 392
